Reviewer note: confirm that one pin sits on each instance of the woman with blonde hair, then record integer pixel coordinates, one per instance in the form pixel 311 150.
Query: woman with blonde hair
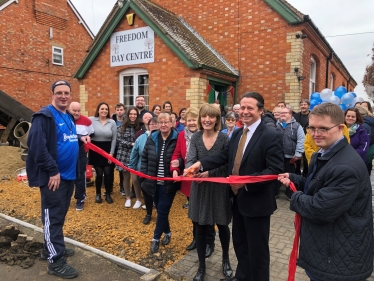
pixel 178 162
pixel 209 202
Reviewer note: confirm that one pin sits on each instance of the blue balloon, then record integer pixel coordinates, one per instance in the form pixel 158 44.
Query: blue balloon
pixel 343 106
pixel 353 94
pixel 347 98
pixel 340 91
pixel 315 96
pixel 313 103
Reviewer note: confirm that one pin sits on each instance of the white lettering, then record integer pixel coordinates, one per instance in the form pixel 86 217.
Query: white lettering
pixel 71 138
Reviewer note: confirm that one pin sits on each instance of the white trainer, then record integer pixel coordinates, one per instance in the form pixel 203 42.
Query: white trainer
pixel 128 203
pixel 137 204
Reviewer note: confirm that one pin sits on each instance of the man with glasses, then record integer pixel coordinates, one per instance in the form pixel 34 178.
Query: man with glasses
pixel 335 203
pixel 140 105
pixel 51 164
pixel 293 142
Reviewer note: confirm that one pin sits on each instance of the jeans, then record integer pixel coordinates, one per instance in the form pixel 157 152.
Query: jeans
pixel 163 202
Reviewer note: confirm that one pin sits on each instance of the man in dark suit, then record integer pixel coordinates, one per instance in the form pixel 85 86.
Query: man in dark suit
pixel 259 153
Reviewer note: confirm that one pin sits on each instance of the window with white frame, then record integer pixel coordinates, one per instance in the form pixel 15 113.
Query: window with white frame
pixel 133 83
pixel 57 55
pixel 332 82
pixel 312 80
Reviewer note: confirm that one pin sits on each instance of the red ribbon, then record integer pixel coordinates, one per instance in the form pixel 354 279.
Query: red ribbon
pixel 229 180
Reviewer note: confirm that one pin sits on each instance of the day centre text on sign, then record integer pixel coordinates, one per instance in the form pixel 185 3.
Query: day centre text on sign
pixel 132 46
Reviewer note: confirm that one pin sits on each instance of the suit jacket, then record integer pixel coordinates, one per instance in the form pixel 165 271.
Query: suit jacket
pixel 262 156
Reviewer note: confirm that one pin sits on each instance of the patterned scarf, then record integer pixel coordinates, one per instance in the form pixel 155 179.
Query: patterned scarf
pixel 353 129
pixel 187 136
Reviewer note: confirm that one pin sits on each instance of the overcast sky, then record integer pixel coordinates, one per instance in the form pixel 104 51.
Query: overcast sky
pixel 332 17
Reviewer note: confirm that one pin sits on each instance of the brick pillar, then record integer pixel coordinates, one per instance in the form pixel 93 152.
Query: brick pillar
pixel 83 99
pixel 196 94
pixel 295 58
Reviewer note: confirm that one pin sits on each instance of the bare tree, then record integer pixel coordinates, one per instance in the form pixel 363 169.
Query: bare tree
pixel 368 79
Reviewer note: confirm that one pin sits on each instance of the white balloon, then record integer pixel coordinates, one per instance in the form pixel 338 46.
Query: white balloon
pixel 325 94
pixel 334 100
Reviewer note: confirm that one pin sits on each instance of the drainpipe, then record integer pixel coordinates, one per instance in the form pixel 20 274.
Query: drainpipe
pixel 327 69
pixel 236 90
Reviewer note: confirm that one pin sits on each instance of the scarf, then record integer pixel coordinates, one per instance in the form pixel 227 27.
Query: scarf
pixel 187 136
pixel 353 129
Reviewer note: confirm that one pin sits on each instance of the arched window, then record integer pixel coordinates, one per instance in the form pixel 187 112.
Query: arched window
pixel 312 79
pixel 133 82
pixel 332 80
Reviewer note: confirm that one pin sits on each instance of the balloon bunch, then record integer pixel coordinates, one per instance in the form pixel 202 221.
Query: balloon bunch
pixel 340 97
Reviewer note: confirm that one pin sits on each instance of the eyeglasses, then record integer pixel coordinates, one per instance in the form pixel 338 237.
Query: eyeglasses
pixel 153 124
pixel 230 120
pixel 321 131
pixel 164 123
pixel 60 94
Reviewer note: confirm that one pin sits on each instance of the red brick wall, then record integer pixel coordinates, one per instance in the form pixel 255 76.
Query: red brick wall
pixel 25 48
pixel 169 77
pixel 339 78
pixel 311 49
pixel 249 34
pixel 252 37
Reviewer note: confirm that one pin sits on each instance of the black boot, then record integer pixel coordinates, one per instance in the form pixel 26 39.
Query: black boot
pixel 226 268
pixel 209 250
pixel 192 246
pixel 155 245
pixel 108 199
pixel 98 198
pixel 200 274
pixel 147 219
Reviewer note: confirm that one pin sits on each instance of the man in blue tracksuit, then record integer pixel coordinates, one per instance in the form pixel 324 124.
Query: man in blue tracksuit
pixel 51 164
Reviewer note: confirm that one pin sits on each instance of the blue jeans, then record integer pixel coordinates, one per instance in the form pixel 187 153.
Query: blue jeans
pixel 163 202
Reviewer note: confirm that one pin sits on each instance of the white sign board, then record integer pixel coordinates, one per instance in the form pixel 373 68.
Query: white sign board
pixel 132 46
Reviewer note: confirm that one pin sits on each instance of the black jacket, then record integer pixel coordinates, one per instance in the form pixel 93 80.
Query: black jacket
pixel 303 120
pixel 336 241
pixel 263 155
pixel 150 161
pixel 269 120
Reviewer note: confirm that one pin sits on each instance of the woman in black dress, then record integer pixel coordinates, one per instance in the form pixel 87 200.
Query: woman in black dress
pixel 209 202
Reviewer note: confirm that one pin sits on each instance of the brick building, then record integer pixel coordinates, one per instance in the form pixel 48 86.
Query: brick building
pixel 41 41
pixel 202 50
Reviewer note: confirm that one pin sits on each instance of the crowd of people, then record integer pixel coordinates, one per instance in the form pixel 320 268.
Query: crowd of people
pixel 326 152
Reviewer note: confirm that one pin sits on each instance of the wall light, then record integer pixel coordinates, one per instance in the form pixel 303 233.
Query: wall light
pixel 302 36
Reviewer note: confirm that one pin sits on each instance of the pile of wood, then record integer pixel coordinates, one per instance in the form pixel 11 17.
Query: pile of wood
pixel 17 248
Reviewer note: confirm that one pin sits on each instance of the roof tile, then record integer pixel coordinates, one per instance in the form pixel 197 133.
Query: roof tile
pixel 184 36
